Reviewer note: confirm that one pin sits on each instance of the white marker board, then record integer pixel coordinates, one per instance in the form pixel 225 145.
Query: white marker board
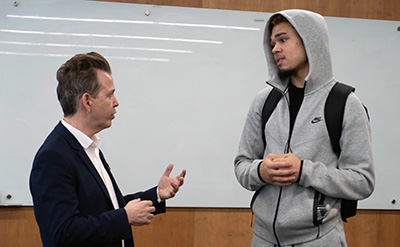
pixel 185 78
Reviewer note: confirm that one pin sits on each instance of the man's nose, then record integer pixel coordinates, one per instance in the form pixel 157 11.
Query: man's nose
pixel 116 103
pixel 276 49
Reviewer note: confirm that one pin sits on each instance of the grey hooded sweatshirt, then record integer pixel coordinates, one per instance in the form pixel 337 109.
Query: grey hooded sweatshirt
pixel 309 208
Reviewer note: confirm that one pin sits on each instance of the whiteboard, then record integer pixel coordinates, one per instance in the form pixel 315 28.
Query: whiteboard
pixel 185 78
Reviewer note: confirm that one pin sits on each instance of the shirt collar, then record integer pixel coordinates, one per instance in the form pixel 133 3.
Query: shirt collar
pixel 83 139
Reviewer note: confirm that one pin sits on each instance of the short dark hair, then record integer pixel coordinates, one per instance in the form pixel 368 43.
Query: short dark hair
pixel 275 20
pixel 78 76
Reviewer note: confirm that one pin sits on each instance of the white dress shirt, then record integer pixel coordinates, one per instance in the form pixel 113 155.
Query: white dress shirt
pixel 92 149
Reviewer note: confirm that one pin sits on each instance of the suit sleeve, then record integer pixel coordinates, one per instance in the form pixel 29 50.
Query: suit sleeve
pixel 151 195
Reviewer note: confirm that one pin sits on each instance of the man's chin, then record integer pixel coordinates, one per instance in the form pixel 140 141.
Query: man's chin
pixel 284 73
pixel 107 125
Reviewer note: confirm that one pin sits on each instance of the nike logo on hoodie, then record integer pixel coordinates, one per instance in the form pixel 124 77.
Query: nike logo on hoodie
pixel 316 120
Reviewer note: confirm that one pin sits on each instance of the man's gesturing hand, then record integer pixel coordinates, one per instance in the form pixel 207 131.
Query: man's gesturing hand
pixel 167 187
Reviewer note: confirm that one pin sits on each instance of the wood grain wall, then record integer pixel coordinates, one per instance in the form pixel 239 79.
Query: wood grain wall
pixel 224 227
pixel 211 227
pixel 368 9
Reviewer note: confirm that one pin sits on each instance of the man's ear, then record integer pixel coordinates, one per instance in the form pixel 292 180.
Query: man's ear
pixel 86 101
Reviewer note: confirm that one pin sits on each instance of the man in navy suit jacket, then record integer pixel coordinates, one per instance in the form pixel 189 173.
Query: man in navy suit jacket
pixel 76 200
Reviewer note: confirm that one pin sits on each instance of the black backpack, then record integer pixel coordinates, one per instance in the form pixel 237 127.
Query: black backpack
pixel 334 110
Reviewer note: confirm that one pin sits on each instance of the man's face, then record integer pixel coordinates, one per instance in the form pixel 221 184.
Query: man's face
pixel 288 50
pixel 103 106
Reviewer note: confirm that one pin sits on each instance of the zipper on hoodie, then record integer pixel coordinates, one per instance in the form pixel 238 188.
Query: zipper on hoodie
pixel 287 150
pixel 276 216
pixel 319 198
pixel 281 188
pixel 279 201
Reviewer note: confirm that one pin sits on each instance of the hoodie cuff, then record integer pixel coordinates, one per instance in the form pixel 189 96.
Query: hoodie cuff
pixel 259 174
pixel 300 171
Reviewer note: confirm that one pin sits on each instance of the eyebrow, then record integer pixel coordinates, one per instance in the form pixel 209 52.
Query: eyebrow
pixel 111 92
pixel 279 34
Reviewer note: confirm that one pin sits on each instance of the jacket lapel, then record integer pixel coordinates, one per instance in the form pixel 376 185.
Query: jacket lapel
pixel 120 198
pixel 60 128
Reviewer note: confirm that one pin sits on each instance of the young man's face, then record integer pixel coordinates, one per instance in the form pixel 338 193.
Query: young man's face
pixel 288 50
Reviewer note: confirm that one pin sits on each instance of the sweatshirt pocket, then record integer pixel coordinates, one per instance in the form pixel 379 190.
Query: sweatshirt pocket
pixel 319 209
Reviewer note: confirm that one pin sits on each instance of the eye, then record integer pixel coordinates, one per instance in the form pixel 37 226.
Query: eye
pixel 272 45
pixel 110 95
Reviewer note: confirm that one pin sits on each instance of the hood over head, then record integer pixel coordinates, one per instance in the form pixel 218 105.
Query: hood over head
pixel 313 31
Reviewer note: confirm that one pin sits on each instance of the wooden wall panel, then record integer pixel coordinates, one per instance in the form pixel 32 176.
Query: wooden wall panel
pixel 222 227
pixel 197 227
pixel 18 227
pixel 374 228
pixel 182 3
pixel 369 9
pixel 174 228
pixel 212 227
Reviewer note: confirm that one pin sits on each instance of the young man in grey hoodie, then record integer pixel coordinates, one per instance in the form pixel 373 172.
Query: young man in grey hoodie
pixel 299 178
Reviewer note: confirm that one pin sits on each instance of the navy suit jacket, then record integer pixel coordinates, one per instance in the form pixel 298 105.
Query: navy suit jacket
pixel 71 203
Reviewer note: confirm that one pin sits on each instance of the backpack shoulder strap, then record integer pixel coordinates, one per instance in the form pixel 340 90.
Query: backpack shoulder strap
pixel 270 103
pixel 334 110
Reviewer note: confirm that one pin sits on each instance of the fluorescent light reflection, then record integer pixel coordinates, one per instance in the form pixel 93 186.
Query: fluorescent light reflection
pixel 111 36
pixel 93 46
pixel 67 56
pixel 209 26
pixel 133 22
pixel 79 19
